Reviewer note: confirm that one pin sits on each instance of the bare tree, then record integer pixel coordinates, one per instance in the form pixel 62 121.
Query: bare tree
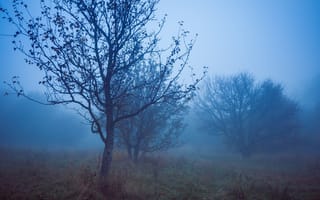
pixel 156 129
pixel 247 114
pixel 91 52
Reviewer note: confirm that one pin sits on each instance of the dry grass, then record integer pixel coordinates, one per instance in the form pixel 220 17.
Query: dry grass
pixel 73 175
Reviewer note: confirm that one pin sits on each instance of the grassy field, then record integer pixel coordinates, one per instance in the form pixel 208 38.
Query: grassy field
pixel 73 175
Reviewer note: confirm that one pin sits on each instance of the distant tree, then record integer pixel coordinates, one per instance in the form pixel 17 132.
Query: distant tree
pixel 311 115
pixel 245 113
pixel 314 119
pixel 155 129
pixel 90 53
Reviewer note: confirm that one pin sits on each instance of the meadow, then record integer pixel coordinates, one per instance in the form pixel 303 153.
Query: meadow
pixel 34 174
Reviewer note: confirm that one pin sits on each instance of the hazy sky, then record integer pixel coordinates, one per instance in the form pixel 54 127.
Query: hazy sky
pixel 276 39
pixel 271 39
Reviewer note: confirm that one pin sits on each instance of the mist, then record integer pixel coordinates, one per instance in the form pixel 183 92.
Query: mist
pixel 156 99
pixel 29 125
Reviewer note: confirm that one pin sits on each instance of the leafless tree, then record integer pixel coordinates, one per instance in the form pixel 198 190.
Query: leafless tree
pixel 91 52
pixel 156 129
pixel 246 113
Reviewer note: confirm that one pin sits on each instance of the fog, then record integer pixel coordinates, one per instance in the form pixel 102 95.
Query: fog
pixel 270 40
pixel 277 40
pixel 26 124
pixel 239 121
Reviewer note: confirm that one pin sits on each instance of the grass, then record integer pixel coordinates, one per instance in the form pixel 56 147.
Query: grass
pixel 73 175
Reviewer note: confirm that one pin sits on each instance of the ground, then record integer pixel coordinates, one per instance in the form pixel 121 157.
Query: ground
pixel 34 174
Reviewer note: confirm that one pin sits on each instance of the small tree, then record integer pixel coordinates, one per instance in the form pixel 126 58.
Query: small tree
pixel 247 114
pixel 156 129
pixel 91 52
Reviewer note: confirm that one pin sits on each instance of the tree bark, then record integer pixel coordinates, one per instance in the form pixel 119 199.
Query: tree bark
pixel 136 152
pixel 129 151
pixel 107 153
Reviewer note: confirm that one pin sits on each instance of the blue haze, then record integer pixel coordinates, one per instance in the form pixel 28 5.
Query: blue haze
pixel 270 39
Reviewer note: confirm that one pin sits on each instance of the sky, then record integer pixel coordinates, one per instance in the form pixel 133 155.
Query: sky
pixel 268 38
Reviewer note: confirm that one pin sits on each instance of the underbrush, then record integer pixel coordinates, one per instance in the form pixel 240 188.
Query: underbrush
pixel 74 175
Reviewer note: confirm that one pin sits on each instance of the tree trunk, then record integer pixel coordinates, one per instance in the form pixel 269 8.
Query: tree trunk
pixel 136 152
pixel 107 153
pixel 129 151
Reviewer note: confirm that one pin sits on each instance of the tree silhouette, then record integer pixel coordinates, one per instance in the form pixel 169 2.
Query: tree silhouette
pixel 156 129
pixel 91 53
pixel 248 115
